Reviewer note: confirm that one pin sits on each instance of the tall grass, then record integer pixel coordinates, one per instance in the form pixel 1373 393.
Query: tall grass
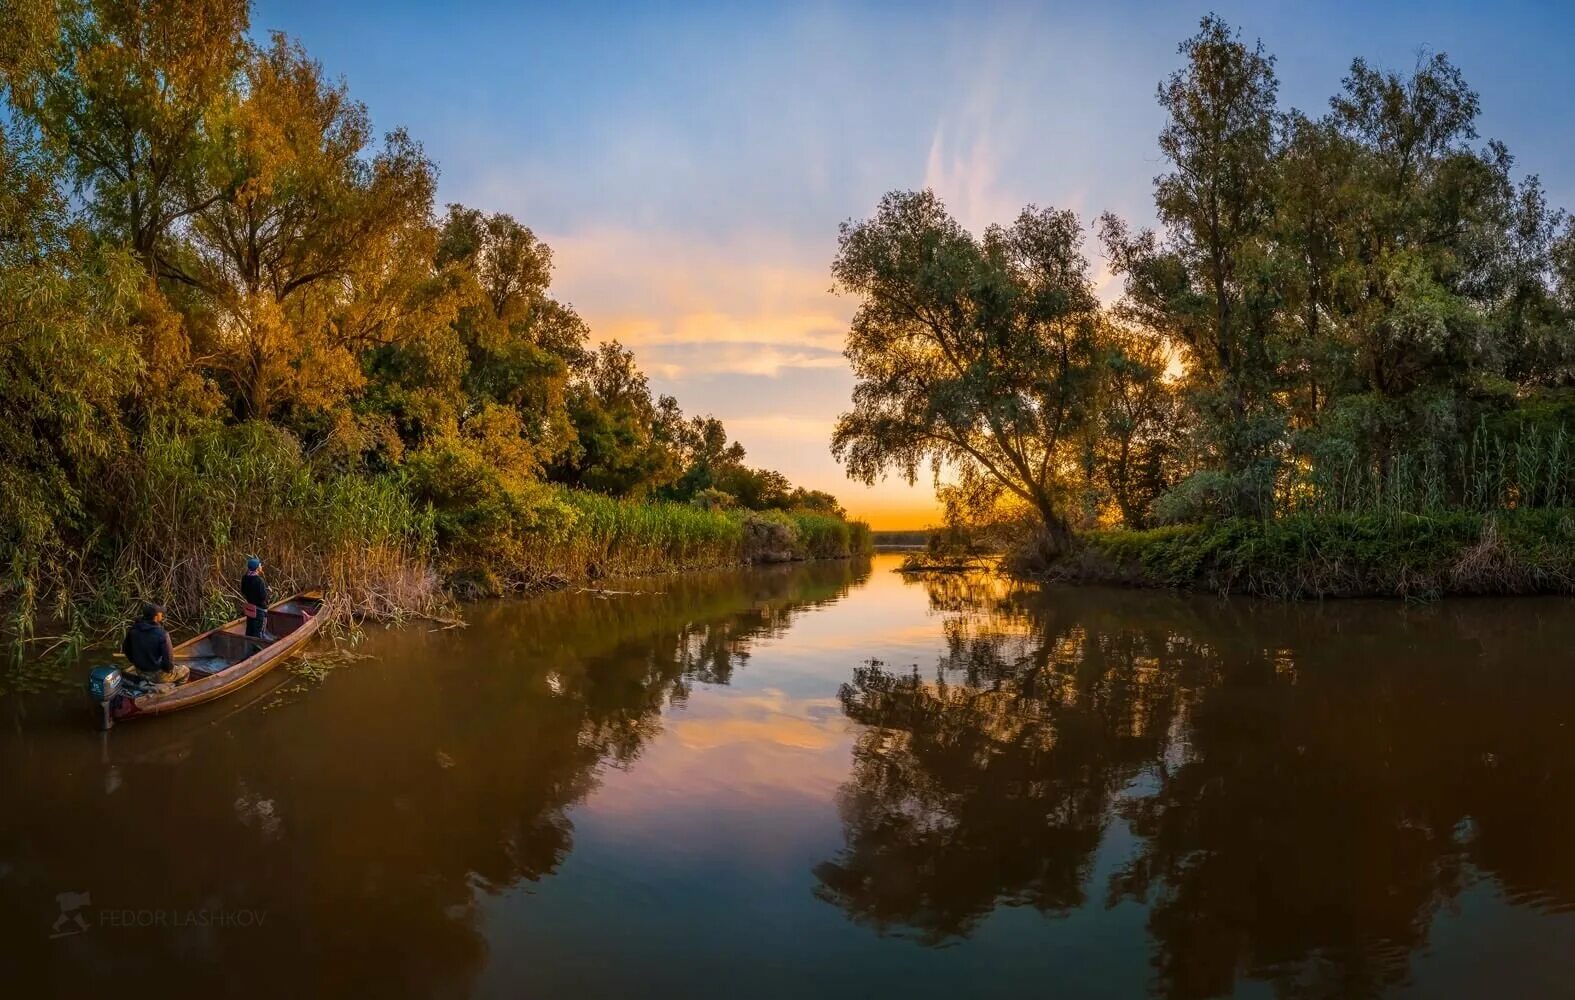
pixel 191 508
pixel 1333 555
pixel 591 535
pixel 176 522
pixel 594 536
pixel 861 540
pixel 1533 467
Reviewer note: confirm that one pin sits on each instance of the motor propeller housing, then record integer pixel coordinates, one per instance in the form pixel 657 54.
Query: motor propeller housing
pixel 103 686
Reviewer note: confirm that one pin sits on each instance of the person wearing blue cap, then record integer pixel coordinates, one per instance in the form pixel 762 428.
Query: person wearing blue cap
pixel 254 589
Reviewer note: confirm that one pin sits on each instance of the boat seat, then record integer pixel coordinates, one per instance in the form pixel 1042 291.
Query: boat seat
pixel 206 665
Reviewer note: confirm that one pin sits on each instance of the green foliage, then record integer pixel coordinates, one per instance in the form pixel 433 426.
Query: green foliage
pixel 1209 287
pixel 608 536
pixel 1452 552
pixel 191 507
pixel 618 448
pixel 231 323
pixel 820 536
pixel 65 367
pixel 1202 496
pixel 127 93
pixel 1516 456
pixel 713 499
pixel 1134 457
pixel 861 540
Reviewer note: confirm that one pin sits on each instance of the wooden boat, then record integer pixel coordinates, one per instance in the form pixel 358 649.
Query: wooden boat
pixel 221 661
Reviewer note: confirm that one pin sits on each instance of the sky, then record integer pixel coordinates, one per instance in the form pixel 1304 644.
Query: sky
pixel 689 163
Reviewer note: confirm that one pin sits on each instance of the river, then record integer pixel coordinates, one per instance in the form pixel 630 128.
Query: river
pixel 824 779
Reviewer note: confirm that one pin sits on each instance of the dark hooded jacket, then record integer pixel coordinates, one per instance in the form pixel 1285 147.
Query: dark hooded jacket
pixel 255 589
pixel 148 648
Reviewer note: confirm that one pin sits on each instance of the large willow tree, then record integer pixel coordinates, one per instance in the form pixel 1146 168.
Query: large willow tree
pixel 978 355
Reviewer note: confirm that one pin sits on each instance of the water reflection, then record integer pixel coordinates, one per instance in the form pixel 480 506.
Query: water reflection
pixel 991 780
pixel 1305 788
pixel 659 791
pixel 365 822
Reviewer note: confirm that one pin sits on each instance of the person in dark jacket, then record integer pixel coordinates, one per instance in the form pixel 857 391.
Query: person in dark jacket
pixel 148 648
pixel 254 589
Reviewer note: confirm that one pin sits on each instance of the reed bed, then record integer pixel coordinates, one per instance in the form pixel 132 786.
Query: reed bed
pixel 1529 467
pixel 190 508
pixel 588 535
pixel 1522 551
pixel 595 536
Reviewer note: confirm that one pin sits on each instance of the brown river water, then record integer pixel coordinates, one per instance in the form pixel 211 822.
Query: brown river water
pixel 824 779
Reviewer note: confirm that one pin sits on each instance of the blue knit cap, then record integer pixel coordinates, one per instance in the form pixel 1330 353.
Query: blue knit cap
pixel 252 562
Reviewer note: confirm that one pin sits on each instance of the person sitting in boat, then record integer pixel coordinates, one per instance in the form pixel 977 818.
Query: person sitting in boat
pixel 148 648
pixel 254 589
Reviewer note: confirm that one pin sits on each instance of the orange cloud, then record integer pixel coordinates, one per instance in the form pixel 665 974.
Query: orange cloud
pixel 756 303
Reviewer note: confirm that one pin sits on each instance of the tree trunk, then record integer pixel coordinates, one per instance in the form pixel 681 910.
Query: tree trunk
pixel 1056 534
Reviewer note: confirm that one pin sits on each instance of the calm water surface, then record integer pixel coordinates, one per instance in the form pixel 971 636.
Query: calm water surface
pixel 826 779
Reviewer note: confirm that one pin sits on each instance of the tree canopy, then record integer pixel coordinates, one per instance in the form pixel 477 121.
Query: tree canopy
pixel 977 355
pixel 210 258
pixel 1362 309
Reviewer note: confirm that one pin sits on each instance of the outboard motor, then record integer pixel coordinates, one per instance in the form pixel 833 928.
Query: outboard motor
pixel 104 687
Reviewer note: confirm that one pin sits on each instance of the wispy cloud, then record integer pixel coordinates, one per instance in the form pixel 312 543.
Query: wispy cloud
pixel 964 164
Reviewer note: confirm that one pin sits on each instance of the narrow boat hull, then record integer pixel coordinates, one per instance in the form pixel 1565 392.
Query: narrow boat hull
pixel 224 660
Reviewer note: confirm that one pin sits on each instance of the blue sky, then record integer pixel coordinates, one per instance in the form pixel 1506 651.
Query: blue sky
pixel 689 163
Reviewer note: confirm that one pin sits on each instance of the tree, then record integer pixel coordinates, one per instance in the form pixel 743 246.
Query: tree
pixel 289 212
pixel 616 450
pixel 129 94
pixel 126 94
pixel 66 367
pixel 756 489
pixel 700 449
pixel 521 344
pixel 1317 173
pixel 1534 331
pixel 1421 193
pixel 976 355
pixel 1430 266
pixel 1139 440
pixel 818 501
pixel 1207 287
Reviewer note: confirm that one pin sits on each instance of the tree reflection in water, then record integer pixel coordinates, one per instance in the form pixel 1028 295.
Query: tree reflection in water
pixel 359 814
pixel 1307 786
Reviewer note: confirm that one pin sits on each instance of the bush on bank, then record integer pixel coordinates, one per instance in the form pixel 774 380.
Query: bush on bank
pixel 1400 555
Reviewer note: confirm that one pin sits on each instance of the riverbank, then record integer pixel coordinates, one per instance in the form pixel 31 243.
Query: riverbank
pixel 1389 555
pixel 387 545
